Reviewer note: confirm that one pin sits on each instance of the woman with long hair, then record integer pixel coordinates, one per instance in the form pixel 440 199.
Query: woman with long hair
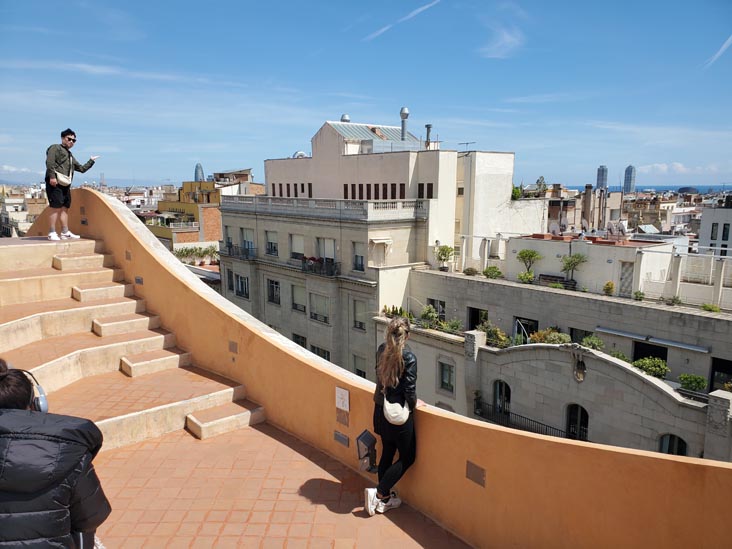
pixel 396 381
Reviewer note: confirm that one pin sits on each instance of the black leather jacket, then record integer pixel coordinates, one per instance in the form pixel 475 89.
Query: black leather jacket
pixel 406 389
pixel 48 486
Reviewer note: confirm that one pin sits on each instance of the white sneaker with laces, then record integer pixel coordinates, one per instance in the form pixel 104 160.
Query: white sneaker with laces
pixel 370 500
pixel 393 503
pixel 69 235
pixel 53 236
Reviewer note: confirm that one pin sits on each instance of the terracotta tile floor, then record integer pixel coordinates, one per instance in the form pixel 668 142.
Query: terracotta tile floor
pixel 255 487
pixel 114 394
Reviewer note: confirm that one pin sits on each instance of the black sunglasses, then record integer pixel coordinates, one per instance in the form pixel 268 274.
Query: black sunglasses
pixel 73 139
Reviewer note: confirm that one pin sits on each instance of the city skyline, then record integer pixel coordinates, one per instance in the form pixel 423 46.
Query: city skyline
pixel 540 81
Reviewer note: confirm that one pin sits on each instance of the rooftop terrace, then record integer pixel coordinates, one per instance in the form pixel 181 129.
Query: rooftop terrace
pixel 291 477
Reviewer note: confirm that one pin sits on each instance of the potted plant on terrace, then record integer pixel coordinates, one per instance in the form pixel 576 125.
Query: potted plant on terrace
pixel 443 254
pixel 571 263
pixel 528 258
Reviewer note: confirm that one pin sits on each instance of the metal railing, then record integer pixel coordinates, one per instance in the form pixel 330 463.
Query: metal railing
pixel 325 267
pixel 238 252
pixel 502 416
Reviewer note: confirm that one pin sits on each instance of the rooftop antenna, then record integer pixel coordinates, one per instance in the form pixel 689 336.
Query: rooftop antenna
pixel 466 143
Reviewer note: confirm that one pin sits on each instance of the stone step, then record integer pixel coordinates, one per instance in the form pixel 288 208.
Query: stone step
pixel 224 419
pixel 133 409
pixel 106 290
pixel 76 261
pixel 151 362
pixel 26 323
pixel 62 360
pixel 123 324
pixel 36 252
pixel 47 283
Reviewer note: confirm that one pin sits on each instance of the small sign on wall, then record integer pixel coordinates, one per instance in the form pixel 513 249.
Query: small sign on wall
pixel 343 405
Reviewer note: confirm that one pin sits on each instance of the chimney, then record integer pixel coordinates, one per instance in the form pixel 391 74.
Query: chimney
pixel 404 114
pixel 429 133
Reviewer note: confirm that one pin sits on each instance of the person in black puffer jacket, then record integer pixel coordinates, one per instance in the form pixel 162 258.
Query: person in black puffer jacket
pixel 50 495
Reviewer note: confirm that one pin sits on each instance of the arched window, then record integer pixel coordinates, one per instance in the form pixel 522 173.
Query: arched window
pixel 577 422
pixel 501 397
pixel 671 444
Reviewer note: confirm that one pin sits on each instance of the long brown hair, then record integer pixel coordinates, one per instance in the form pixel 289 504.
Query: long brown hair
pixel 391 364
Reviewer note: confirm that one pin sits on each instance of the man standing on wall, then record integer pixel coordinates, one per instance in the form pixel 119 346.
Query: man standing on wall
pixel 60 168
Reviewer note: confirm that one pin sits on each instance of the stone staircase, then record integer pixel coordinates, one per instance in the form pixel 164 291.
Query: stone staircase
pixel 67 315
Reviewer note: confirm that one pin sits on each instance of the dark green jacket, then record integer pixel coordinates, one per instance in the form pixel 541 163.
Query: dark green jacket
pixel 59 159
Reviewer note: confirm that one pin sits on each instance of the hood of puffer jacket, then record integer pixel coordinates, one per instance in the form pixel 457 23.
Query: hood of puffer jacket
pixel 38 450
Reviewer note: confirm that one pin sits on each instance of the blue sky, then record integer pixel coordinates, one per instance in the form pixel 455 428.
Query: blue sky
pixel 155 87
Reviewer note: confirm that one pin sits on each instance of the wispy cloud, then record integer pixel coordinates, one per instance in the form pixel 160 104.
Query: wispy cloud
pixel 514 8
pixel 412 14
pixel 506 40
pixel 4 168
pixel 116 71
pixel 663 168
pixel 720 51
pixel 415 13
pixel 544 98
pixel 379 32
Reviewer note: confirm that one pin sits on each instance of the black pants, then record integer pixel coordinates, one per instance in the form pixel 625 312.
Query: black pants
pixel 394 438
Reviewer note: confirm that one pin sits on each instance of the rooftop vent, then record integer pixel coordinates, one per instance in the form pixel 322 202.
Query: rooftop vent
pixel 345 118
pixel 404 114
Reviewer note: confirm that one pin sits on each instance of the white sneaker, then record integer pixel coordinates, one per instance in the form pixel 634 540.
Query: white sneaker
pixel 370 500
pixel 393 503
pixel 69 234
pixel 53 236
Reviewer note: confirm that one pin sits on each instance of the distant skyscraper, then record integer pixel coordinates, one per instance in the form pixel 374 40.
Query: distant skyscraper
pixel 602 177
pixel 199 173
pixel 629 185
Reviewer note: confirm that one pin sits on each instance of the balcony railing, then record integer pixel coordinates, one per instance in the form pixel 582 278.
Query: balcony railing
pixel 319 317
pixel 237 252
pixel 358 210
pixel 323 267
pixel 502 416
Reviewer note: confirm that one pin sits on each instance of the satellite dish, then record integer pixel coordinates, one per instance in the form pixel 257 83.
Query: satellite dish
pixel 585 225
pixel 554 229
pixel 622 229
pixel 564 223
pixel 610 228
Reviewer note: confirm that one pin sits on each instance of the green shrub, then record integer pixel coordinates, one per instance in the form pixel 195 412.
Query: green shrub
pixel 452 326
pixel 550 335
pixel 470 271
pixel 492 272
pixel 653 366
pixel 570 263
pixel 528 258
pixel 727 386
pixel 609 288
pixel 693 382
pixel 675 300
pixel 515 193
pixel 526 277
pixel 621 355
pixel 593 342
pixel 711 307
pixel 494 336
pixel 429 317
pixel 638 295
pixel 557 285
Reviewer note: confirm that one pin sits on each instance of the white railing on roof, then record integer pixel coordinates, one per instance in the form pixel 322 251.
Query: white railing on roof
pixel 356 210
pixel 184 225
